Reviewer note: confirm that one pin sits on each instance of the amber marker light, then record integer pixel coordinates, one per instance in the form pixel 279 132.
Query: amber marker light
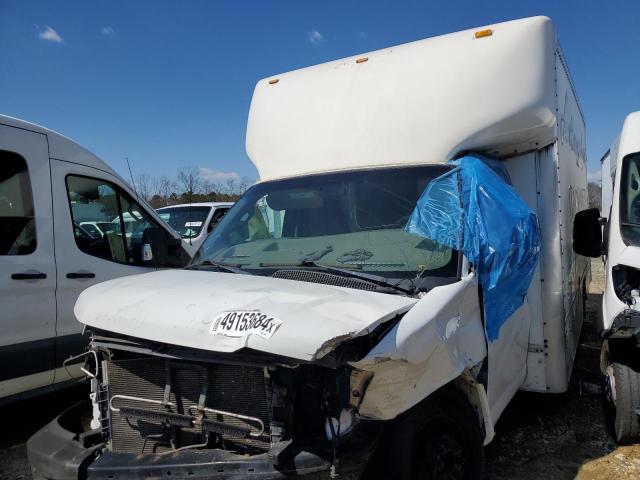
pixel 484 33
pixel 362 59
pixel 274 81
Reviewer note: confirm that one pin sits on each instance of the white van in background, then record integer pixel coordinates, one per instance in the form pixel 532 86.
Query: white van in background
pixel 194 221
pixel 58 203
pixel 620 247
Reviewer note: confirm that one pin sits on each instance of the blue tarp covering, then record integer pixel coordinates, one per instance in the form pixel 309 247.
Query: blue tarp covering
pixel 475 210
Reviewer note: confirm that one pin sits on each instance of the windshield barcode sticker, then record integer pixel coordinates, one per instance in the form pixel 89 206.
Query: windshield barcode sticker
pixel 239 323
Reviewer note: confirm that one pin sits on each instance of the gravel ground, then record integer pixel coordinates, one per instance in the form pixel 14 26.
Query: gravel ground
pixel 539 436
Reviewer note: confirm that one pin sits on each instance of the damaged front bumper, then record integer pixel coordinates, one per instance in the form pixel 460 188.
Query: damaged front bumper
pixel 57 452
pixel 157 412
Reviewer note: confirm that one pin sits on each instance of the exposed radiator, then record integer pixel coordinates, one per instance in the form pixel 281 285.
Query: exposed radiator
pixel 229 388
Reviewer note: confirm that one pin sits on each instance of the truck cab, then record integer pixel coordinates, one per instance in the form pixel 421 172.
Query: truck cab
pixel 63 218
pixel 615 235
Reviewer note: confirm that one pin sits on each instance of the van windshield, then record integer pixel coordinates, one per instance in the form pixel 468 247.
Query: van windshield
pixel 351 220
pixel 187 221
pixel 630 200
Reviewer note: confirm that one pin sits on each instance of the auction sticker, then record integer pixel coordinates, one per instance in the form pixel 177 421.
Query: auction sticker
pixel 238 323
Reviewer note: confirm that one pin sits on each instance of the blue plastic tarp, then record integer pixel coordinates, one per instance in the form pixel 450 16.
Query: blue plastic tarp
pixel 474 209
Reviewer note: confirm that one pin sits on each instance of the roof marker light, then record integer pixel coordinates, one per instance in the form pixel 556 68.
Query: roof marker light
pixel 484 33
pixel 274 81
pixel 362 59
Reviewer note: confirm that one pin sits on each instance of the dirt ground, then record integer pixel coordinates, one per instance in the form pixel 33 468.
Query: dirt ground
pixel 540 436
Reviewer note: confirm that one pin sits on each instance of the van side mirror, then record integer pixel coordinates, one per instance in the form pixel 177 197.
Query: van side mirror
pixel 155 248
pixel 587 233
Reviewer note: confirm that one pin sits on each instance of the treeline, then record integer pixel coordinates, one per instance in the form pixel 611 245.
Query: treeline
pixel 189 186
pixel 594 190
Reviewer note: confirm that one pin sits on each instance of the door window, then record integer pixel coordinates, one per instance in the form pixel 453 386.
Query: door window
pixel 217 216
pixel 107 222
pixel 17 221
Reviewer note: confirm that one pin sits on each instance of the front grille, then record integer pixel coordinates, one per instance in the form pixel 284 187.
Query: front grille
pixel 230 388
pixel 325 279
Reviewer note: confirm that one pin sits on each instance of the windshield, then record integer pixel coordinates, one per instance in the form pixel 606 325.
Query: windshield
pixel 351 220
pixel 630 200
pixel 187 221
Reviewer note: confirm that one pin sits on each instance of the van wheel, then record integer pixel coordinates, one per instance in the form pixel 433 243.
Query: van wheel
pixel 621 402
pixel 439 439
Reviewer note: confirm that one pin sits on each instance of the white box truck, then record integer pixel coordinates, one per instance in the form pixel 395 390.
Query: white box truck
pixel 620 247
pixel 67 221
pixel 319 332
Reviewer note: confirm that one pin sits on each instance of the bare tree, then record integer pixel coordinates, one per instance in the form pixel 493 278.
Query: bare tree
pixel 244 184
pixel 143 185
pixel 188 186
pixel 164 189
pixel 189 180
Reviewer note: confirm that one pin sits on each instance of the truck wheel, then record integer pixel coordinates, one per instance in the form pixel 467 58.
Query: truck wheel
pixel 439 439
pixel 622 400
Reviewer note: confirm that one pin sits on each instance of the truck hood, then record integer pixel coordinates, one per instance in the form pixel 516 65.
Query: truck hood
pixel 185 308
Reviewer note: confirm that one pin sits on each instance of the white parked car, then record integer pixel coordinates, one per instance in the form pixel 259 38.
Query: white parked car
pixel 194 221
pixel 58 203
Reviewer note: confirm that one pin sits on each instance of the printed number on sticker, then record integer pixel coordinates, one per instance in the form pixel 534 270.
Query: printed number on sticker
pixel 239 323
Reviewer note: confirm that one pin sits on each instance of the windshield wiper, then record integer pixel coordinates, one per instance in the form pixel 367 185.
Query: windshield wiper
pixel 223 267
pixel 382 282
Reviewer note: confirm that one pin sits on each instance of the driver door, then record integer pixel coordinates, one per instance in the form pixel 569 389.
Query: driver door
pixel 97 223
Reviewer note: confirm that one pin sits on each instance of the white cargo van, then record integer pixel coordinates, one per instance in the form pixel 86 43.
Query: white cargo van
pixel 194 221
pixel 620 330
pixel 62 216
pixel 363 310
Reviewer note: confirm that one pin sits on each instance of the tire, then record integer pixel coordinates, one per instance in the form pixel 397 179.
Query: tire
pixel 621 400
pixel 439 439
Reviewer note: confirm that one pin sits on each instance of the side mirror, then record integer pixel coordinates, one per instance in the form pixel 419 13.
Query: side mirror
pixel 587 233
pixel 155 248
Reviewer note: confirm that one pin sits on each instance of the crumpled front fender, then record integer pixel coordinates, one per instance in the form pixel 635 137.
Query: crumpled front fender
pixel 432 345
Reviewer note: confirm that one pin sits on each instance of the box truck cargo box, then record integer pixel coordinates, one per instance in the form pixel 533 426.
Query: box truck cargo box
pixel 330 325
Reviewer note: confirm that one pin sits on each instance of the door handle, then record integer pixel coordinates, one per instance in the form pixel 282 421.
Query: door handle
pixel 29 276
pixel 81 275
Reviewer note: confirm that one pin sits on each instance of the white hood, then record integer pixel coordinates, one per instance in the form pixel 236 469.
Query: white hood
pixel 179 307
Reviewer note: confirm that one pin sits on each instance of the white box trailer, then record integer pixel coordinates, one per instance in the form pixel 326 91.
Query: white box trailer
pixel 619 246
pixel 361 345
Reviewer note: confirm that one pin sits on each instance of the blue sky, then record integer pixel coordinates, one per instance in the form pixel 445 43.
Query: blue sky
pixel 169 84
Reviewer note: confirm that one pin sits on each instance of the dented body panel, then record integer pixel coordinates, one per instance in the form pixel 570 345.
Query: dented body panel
pixel 440 337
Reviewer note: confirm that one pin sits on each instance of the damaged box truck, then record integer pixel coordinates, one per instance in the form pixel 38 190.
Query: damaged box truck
pixel 619 244
pixel 371 306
